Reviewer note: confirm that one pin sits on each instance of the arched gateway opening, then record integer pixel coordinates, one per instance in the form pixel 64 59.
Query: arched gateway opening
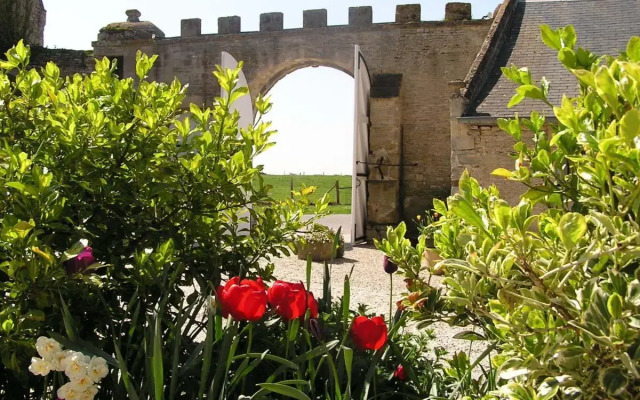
pixel 322 116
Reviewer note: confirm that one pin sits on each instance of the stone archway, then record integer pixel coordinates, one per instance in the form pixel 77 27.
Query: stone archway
pixel 411 63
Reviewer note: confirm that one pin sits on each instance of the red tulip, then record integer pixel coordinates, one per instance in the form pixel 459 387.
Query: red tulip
pixel 399 373
pixel 369 334
pixel 80 262
pixel 244 300
pixel 291 300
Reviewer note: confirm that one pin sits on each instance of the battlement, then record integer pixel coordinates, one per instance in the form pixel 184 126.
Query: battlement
pixel 272 22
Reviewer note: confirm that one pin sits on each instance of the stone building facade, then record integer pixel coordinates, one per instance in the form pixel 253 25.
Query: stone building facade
pixel 410 63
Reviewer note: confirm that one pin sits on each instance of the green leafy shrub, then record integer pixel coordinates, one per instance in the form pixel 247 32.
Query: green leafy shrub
pixel 554 293
pixel 162 197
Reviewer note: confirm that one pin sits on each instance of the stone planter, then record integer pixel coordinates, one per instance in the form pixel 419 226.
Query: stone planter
pixel 319 251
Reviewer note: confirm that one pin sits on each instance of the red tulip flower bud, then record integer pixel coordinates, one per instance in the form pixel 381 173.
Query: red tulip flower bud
pixel 244 300
pixel 369 334
pixel 389 266
pixel 399 373
pixel 291 300
pixel 81 262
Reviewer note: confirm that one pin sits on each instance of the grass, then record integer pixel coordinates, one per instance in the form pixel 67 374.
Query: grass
pixel 325 183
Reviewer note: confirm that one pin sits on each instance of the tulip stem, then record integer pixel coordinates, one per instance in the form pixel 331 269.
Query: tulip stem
pixel 390 301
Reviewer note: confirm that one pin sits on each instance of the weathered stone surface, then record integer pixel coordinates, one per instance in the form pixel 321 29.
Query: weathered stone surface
pixel 23 19
pixel 270 22
pixel 314 18
pixel 132 29
pixel 133 15
pixel 408 13
pixel 229 24
pixel 360 16
pixel 191 27
pixel 457 11
pixel 382 206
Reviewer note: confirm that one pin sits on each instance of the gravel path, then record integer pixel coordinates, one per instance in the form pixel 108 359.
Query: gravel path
pixel 369 285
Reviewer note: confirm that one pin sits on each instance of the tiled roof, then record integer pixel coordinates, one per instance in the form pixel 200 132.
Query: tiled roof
pixel 602 26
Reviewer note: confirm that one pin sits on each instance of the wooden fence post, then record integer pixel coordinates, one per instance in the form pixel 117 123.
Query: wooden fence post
pixel 337 191
pixel 291 188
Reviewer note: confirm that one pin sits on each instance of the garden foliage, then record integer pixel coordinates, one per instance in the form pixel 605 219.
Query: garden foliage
pixel 125 239
pixel 551 285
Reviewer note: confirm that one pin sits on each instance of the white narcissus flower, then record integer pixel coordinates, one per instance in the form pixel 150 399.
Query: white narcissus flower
pixel 98 369
pixel 89 393
pixel 70 391
pixel 75 366
pixel 47 347
pixel 39 366
pixel 83 383
pixel 56 360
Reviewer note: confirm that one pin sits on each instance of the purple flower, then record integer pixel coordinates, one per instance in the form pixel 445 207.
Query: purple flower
pixel 316 329
pixel 81 262
pixel 389 266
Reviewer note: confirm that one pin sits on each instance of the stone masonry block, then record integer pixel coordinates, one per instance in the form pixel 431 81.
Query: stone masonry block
pixel 191 27
pixel 383 205
pixel 386 85
pixel 270 22
pixel 314 18
pixel 408 13
pixel 457 11
pixel 360 16
pixel 229 25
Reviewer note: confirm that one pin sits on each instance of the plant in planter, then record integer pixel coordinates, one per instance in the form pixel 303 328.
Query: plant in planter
pixel 320 243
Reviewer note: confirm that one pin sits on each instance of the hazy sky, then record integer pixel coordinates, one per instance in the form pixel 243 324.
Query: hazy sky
pixel 313 107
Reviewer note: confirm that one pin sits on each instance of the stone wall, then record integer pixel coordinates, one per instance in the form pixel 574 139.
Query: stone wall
pixel 22 19
pixel 70 62
pixel 409 132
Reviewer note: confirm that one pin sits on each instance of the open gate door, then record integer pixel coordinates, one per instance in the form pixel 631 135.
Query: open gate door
pixel 360 148
pixel 243 104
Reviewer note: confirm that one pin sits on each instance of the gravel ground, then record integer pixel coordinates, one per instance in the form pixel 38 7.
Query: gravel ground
pixel 370 286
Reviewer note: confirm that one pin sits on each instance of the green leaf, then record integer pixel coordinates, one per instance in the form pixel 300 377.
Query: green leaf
pixel 157 368
pixel 503 172
pixel 469 335
pixel 284 390
pixel 614 305
pixel 630 125
pixel 569 36
pixel 571 228
pixel 567 57
pixel 585 76
pixel 515 100
pixel 614 380
pixel 550 37
pixel 532 92
pixel 606 87
pixel 463 209
pixel 633 49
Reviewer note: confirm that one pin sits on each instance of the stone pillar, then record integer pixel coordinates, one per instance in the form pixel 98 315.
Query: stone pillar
pixel 408 13
pixel 457 11
pixel 229 25
pixel 385 154
pixel 191 27
pixel 461 141
pixel 314 18
pixel 270 22
pixel 360 16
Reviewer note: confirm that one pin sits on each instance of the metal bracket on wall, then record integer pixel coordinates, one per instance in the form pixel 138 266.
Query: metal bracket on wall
pixel 380 163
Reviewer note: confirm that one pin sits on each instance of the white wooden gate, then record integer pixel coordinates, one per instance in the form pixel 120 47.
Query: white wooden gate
pixel 243 104
pixel 360 148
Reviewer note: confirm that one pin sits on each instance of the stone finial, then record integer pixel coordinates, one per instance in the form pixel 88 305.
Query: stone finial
pixel 314 18
pixel 360 16
pixel 133 15
pixel 408 13
pixel 191 27
pixel 270 22
pixel 231 24
pixel 457 11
